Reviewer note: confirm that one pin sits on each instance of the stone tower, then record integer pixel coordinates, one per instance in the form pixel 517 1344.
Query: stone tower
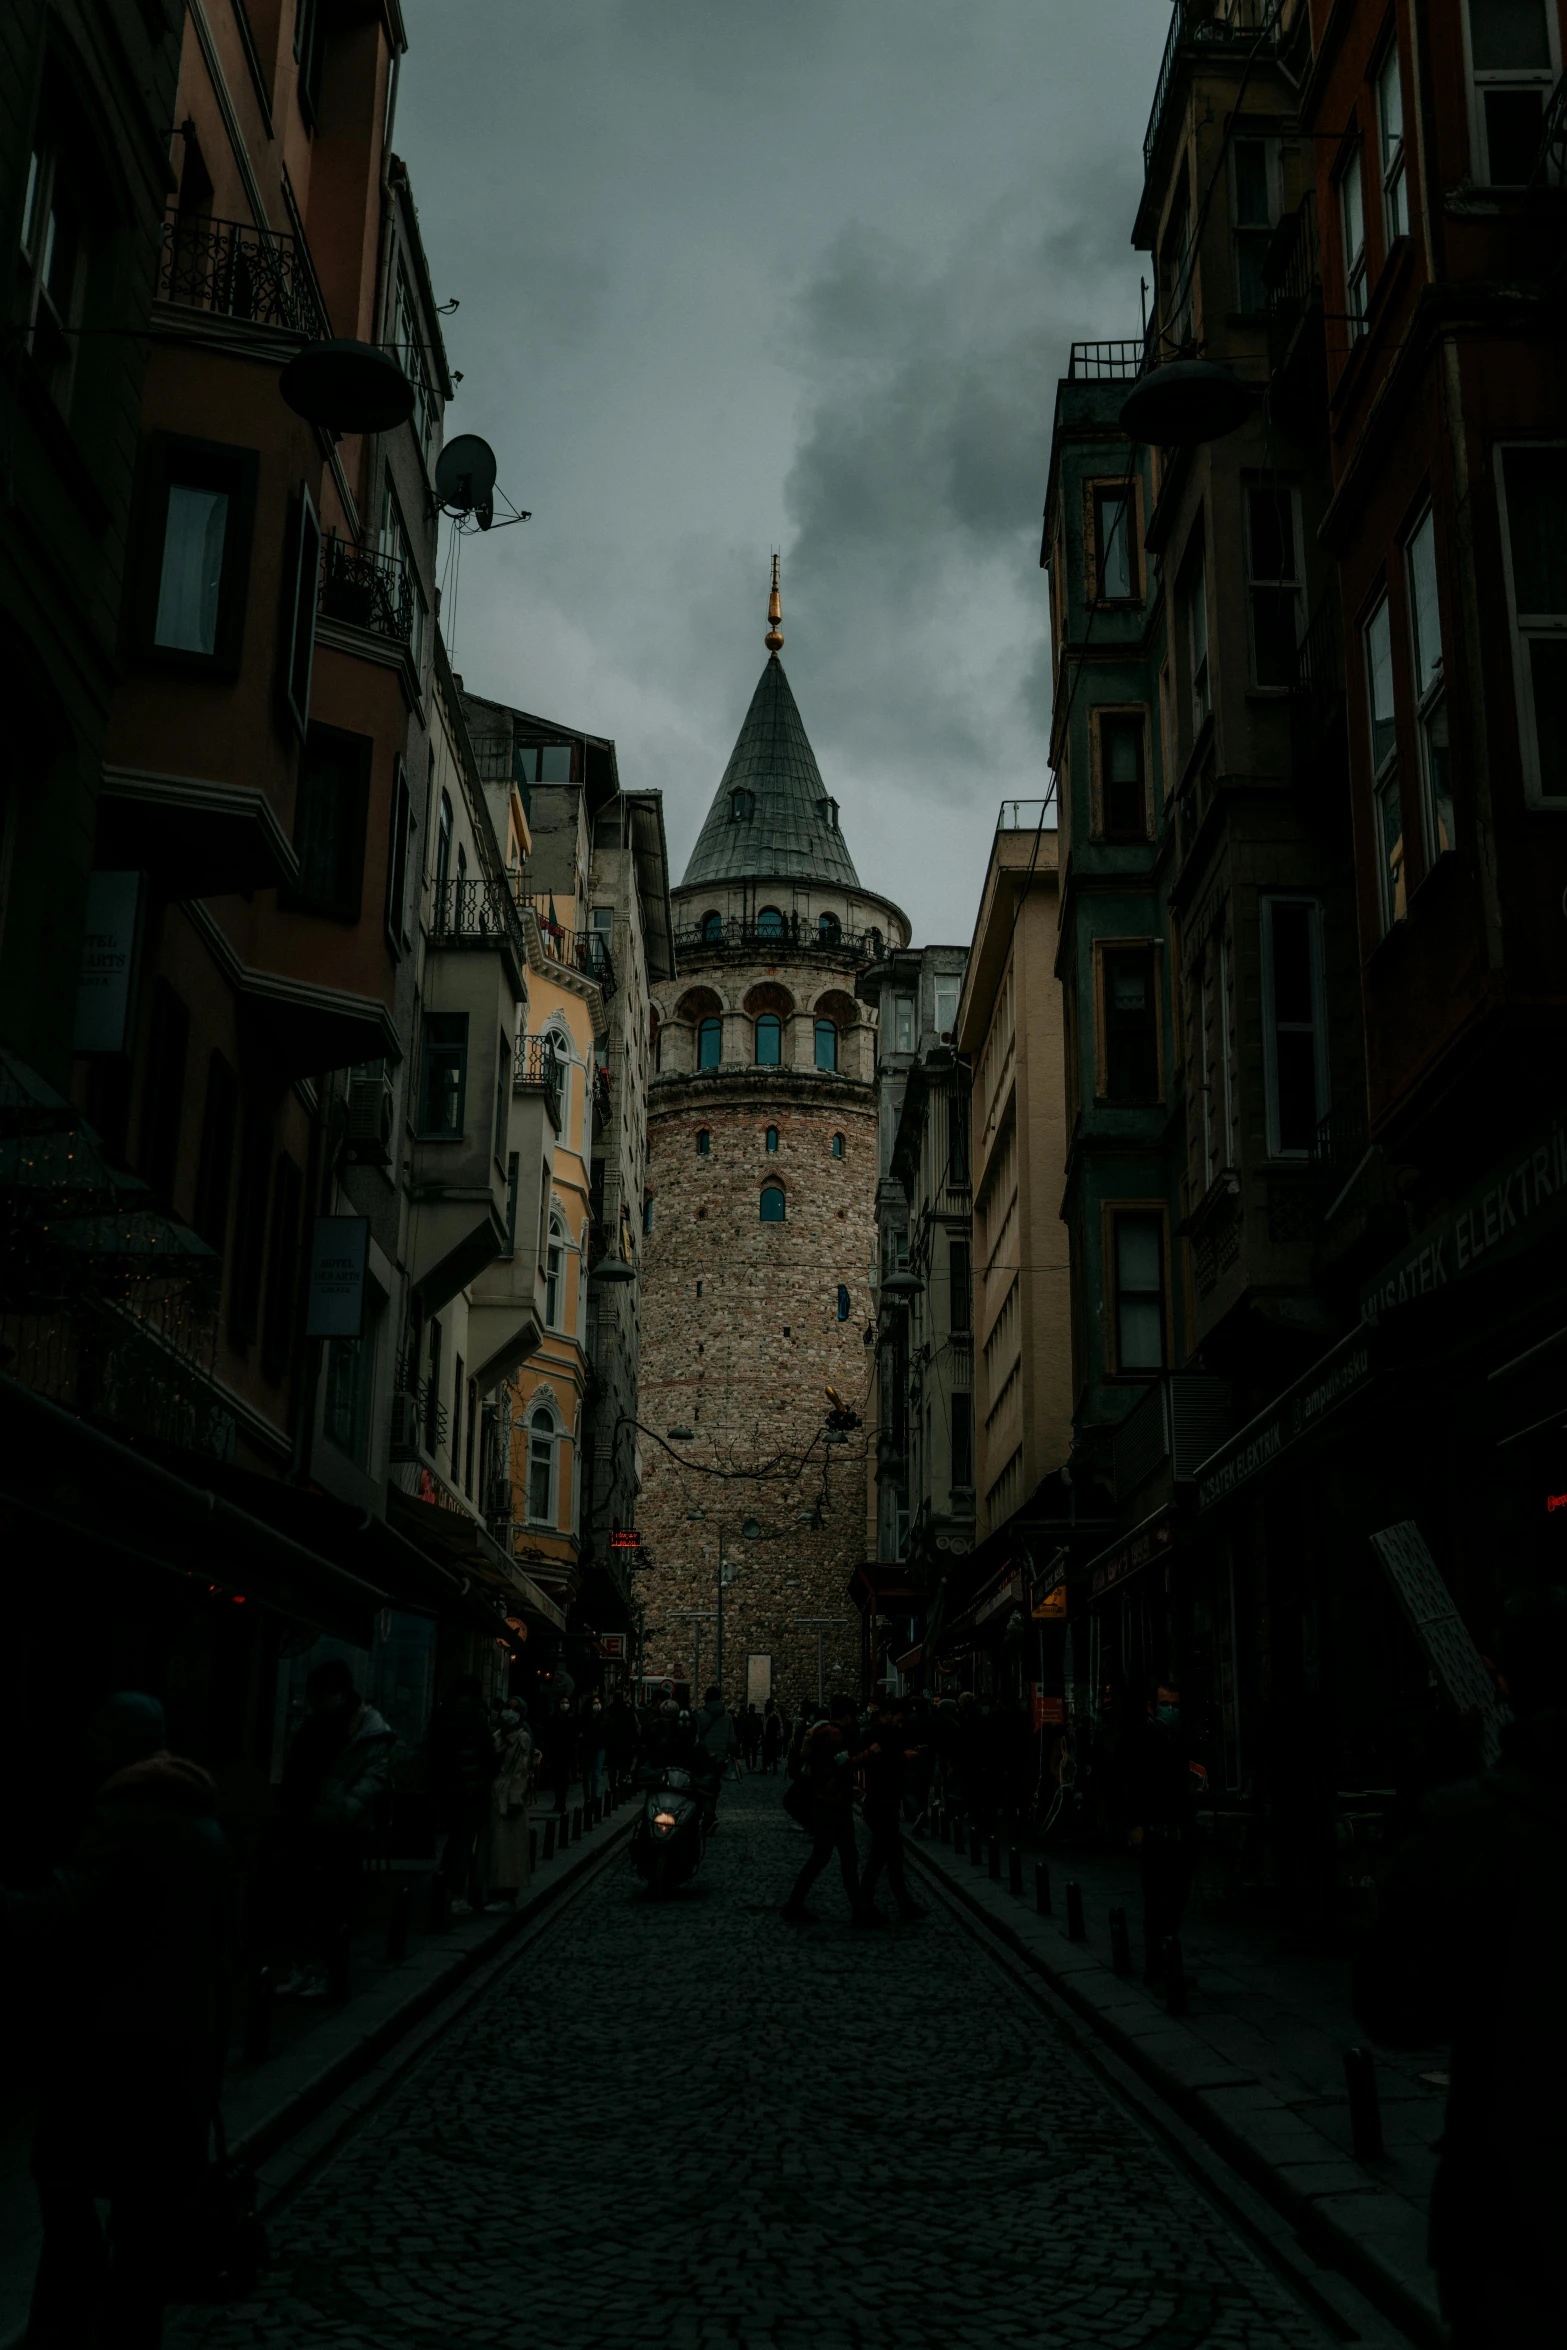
pixel 761 1229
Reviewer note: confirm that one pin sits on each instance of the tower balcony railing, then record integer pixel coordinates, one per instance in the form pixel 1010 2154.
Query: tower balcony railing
pixel 233 270
pixel 740 937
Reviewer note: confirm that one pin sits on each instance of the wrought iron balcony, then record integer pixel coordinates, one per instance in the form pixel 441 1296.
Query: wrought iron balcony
pixel 586 951
pixel 538 1066
pixel 367 590
pixel 476 913
pixel 235 271
pixel 1113 362
pixel 1292 272
pixel 1231 24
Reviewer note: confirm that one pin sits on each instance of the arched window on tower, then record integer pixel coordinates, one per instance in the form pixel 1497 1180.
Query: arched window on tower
pixel 769 1041
pixel 704 1143
pixel 837 1146
pixel 769 923
pixel 829 930
pixel 709 1044
pixel 742 805
pixel 712 925
pixel 826 1045
pixel 772 1203
pixel 772 1138
pixel 843 1302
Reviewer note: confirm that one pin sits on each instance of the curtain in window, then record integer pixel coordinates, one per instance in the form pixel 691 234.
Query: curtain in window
pixel 192 575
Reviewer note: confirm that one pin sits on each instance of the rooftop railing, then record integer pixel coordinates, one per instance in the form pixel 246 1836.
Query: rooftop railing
pixel 1217 24
pixel 1027 815
pixel 1112 362
pixel 233 270
pixel 367 590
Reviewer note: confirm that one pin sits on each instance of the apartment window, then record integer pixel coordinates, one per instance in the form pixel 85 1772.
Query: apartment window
pixel 1131 1054
pixel 1212 1046
pixel 541 1469
pixel 1175 275
pixel 1352 224
pixel 962 1439
pixel 957 1141
pixel 947 994
pixel 53 271
pixel 742 806
pixel 1273 582
pixel 772 1203
pixel 215 1166
pixel 277 1325
pixel 443 1075
pixel 1390 139
pixel 443 855
pixel 200 501
pixel 555 1276
pixel 432 1393
pixel 1115 562
pixel 310 26
pixel 1139 1293
pixel 769 1041
pixel 503 1061
pixel 1425 627
pixel 299 640
pixel 163 1102
pixel 331 807
pixel 415 365
pixel 1534 495
pixel 468 1433
pixel 1512 50
pixel 772 1138
pixel 903 1024
pixel 1387 809
pixel 961 1287
pixel 826 1045
pixel 704 1143
pixel 770 923
pixel 345 1409
pixel 1294 1029
pixel 1255 200
pixel 1123 799
pixel 398 841
pixel 513 1181
pixel 1195 599
pixel 837 1146
pixel 709 1044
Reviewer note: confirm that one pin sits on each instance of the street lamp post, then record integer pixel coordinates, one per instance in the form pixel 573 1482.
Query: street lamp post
pixel 820 1625
pixel 751 1529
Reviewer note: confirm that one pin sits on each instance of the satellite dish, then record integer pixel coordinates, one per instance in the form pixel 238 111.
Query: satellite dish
pixel 465 477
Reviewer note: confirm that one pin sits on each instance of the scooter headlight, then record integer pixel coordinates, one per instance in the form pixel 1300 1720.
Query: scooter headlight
pixel 664 1822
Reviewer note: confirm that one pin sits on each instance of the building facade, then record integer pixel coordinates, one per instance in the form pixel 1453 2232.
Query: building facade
pixel 759 1234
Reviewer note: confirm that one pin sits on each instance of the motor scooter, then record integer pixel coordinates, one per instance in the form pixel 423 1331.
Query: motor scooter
pixel 670 1838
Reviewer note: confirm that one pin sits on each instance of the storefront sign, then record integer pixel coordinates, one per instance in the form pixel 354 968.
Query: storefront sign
pixel 1341 1373
pixel 1011 1591
pixel 1147 1541
pixel 1517 1204
pixel 612 1644
pixel 103 985
pixel 1050 1590
pixel 624 1538
pixel 1050 1710
pixel 339 1251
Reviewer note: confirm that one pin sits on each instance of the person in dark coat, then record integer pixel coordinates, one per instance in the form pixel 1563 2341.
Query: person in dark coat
pixel 463 1761
pixel 886 1763
pixel 1161 1801
pixel 338 1770
pixel 775 1737
pixel 559 1741
pixel 122 1955
pixel 1468 1948
pixel 621 1738
pixel 829 1762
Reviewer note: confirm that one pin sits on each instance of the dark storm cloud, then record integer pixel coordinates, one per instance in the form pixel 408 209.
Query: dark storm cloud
pixel 736 275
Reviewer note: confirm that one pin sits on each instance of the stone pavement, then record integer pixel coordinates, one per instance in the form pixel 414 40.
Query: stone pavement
pixel 1256 2065
pixel 688 2124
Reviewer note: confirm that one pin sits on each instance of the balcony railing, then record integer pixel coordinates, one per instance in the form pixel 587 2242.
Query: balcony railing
pixel 476 913
pixel 236 271
pixel 1112 362
pixel 366 590
pixel 1318 683
pixel 586 951
pixel 538 1066
pixel 1027 815
pixel 1217 23
pixel 1293 269
pixel 736 937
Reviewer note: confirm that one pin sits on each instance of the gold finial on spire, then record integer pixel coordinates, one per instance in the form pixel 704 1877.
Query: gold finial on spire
pixel 773 640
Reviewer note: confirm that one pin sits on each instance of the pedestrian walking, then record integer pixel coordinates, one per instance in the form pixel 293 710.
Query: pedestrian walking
pixel 339 1769
pixel 560 1742
pixel 775 1737
pixel 751 1737
pixel 463 1764
pixel 828 1765
pixel 1468 1949
pixel 886 1761
pixel 506 1856
pixel 118 1968
pixel 620 1742
pixel 1161 1792
pixel 594 1747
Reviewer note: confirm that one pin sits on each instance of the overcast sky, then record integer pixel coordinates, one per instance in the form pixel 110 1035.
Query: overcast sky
pixel 737 274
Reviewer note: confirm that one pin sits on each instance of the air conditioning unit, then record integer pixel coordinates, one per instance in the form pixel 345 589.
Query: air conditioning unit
pixel 372 1106
pixel 405 1426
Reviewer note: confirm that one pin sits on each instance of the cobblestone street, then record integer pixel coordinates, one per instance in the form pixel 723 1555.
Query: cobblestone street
pixel 691 2124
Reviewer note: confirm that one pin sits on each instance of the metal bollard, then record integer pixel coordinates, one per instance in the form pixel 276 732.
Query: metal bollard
pixel 549 1837
pixel 976 1845
pixel 397 1923
pixel 533 1850
pixel 576 1823
pixel 1174 1978
pixel 1014 1871
pixel 1042 1888
pixel 1120 1943
pixel 258 2016
pixel 337 1969
pixel 1365 2110
pixel 1076 1931
pixel 995 1860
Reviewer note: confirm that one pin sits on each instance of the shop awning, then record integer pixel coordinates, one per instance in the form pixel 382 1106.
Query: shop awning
pixel 1281 1432
pixel 461 1542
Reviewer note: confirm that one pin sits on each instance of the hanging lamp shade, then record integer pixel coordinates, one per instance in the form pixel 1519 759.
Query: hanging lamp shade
pixel 1185 400
pixel 347 387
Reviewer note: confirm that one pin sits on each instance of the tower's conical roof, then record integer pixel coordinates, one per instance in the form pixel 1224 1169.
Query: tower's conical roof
pixel 789 826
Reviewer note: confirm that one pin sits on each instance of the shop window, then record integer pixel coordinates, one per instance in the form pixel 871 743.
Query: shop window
pixel 1131 1036
pixel 1514 63
pixel 1139 1293
pixel 199 504
pixel 443 1075
pixel 1390 142
pixel 1425 629
pixel 1123 796
pixel 1387 810
pixel 1534 495
pixel 769 1041
pixel 1273 582
pixel 709 1043
pixel 330 813
pixel 1294 1028
pixel 772 1203
pixel 826 1045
